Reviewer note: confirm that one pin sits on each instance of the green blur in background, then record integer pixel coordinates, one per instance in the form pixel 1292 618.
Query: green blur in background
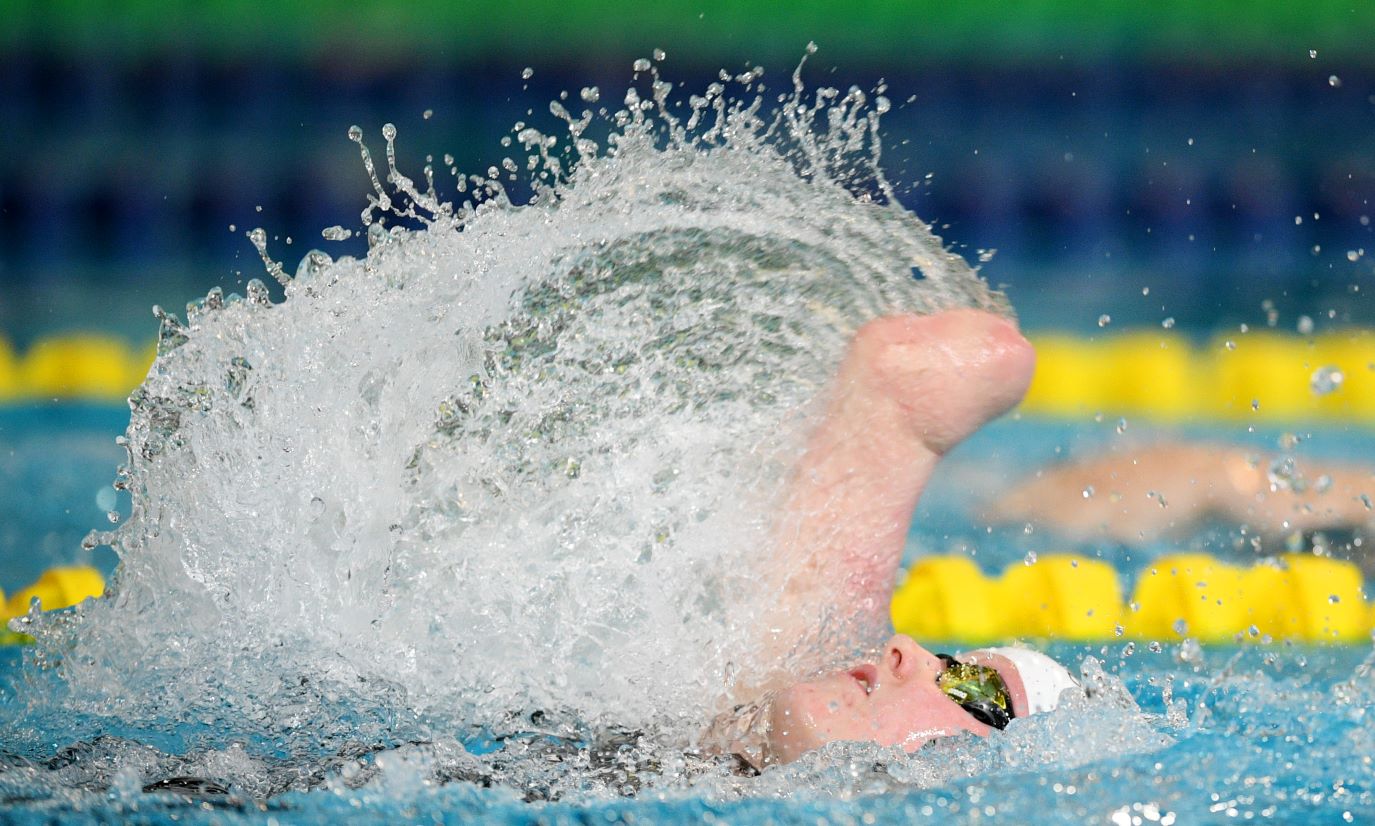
pixel 713 30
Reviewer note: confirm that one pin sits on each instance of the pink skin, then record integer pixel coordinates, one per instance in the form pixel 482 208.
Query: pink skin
pixel 910 389
pixel 894 702
pixel 1133 483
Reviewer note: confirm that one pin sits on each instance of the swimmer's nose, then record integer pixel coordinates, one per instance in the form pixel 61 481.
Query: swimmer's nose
pixel 906 660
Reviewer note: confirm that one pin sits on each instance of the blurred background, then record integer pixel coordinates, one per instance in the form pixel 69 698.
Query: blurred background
pixel 1202 165
pixel 1219 153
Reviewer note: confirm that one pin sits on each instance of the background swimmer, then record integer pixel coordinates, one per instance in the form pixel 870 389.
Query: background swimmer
pixel 1143 493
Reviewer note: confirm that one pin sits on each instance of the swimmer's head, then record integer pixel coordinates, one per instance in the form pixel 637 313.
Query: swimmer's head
pixel 900 700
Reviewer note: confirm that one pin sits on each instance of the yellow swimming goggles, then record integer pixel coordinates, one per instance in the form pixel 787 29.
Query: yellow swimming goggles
pixel 977 689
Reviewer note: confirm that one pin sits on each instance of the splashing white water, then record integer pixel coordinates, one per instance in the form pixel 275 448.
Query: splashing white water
pixel 523 458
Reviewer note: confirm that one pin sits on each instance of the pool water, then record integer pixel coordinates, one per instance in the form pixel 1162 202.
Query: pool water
pixel 470 527
pixel 1275 733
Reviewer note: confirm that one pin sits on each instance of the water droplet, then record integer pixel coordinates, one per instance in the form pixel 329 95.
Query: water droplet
pixel 659 54
pixel 312 264
pixel 1129 649
pixel 389 131
pixel 641 65
pixel 1145 290
pixel 1281 473
pixel 1322 484
pixel 1334 81
pixel 336 233
pixel 1030 558
pixel 1180 627
pixel 1326 379
pixel 355 133
pixel 1229 344
pixel 1333 599
pixel 590 94
pixel 1155 647
pixel 1312 54
pixel 527 73
pixel 1354 255
pixel 427 114
pixel 1118 630
pixel 1305 326
pixel 1121 425
pixel 1168 323
pixel 1365 501
pixel 1088 492
pixel 1104 320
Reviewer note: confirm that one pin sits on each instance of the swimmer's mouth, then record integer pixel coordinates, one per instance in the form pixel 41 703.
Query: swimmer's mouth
pixel 866 676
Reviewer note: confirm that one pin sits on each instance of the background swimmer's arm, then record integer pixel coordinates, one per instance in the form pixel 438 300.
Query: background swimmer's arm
pixel 910 388
pixel 1141 493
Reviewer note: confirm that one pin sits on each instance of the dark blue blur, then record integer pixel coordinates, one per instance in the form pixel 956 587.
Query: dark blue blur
pixel 1214 188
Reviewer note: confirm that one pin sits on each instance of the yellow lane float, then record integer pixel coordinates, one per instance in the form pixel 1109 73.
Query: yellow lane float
pixel 1296 597
pixel 56 588
pixel 1252 376
pixel 80 366
pixel 1153 374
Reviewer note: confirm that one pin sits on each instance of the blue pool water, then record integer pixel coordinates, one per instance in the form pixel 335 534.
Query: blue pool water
pixel 480 525
pixel 1257 733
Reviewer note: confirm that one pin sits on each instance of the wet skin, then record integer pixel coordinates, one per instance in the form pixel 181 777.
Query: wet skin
pixel 894 701
pixel 1141 492
pixel 909 389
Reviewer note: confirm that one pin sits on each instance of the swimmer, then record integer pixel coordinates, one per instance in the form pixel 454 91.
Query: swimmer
pixel 909 389
pixel 1143 493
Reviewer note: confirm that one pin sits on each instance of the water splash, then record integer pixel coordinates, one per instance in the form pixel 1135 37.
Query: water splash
pixel 519 458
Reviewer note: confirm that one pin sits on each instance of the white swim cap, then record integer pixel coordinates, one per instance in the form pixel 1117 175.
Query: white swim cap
pixel 1043 678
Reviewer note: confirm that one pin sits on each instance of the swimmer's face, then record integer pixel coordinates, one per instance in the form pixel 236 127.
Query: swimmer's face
pixel 893 702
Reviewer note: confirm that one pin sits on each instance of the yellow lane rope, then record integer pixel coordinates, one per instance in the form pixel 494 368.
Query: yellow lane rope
pixel 1295 597
pixel 1065 597
pixel 1259 376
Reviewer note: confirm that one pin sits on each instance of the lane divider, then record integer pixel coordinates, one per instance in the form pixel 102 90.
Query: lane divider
pixel 1061 596
pixel 1066 597
pixel 1255 376
pixel 83 366
pixel 1153 374
pixel 60 587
